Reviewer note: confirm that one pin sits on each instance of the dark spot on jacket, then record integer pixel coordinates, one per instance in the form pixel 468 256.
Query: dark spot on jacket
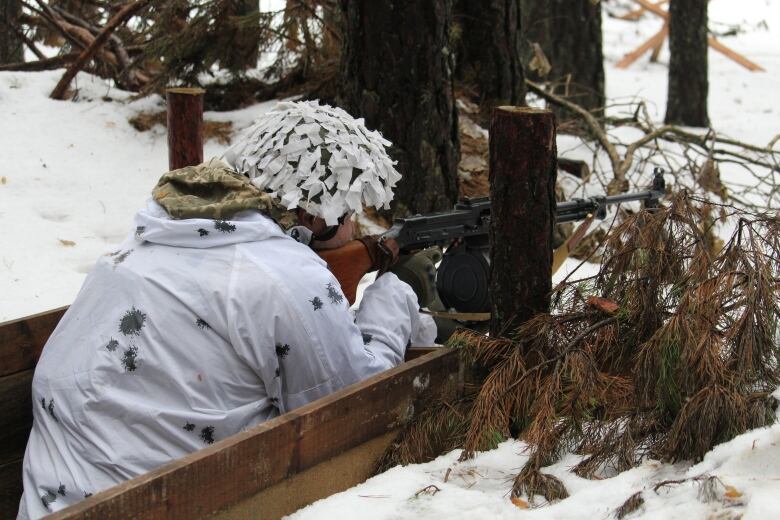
pixel 118 259
pixel 112 345
pixel 51 410
pixel 333 294
pixel 203 232
pixel 189 426
pixel 130 359
pixel 282 350
pixel 48 497
pixel 207 434
pixel 132 322
pixel 202 325
pixel 224 226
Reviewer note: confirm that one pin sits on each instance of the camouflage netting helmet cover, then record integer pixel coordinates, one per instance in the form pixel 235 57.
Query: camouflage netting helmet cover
pixel 318 158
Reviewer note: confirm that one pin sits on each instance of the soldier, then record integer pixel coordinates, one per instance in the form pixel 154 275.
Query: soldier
pixel 216 314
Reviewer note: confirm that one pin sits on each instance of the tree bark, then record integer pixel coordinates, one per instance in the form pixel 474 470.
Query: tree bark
pixel 522 194
pixel 396 72
pixel 488 53
pixel 11 48
pixel 569 33
pixel 245 42
pixel 686 102
pixel 185 127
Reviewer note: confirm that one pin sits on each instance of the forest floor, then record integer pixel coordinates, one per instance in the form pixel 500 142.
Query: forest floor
pixel 74 173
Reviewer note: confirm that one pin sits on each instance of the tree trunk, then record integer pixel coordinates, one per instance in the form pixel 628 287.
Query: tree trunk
pixel 396 72
pixel 488 53
pixel 11 50
pixel 569 34
pixel 245 43
pixel 522 194
pixel 688 86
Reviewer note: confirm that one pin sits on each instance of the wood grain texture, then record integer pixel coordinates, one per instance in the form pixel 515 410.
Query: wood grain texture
pixel 236 469
pixel 185 127
pixel 15 414
pixel 10 488
pixel 522 193
pixel 22 340
pixel 327 478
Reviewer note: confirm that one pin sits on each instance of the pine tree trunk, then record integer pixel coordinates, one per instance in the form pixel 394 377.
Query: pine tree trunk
pixel 11 49
pixel 245 45
pixel 396 72
pixel 488 53
pixel 688 85
pixel 522 194
pixel 569 33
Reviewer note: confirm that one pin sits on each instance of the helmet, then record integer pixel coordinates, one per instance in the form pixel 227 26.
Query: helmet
pixel 318 158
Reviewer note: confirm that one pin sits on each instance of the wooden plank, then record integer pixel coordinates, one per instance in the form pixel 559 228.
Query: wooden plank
pixel 729 53
pixel 654 41
pixel 22 340
pixel 10 488
pixel 236 469
pixel 636 14
pixel 323 480
pixel 15 415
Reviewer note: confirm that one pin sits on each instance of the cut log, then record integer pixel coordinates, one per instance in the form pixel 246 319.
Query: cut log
pixel 522 192
pixel 185 127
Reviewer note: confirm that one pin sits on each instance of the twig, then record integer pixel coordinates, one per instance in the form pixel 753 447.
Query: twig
pixel 573 343
pixel 591 121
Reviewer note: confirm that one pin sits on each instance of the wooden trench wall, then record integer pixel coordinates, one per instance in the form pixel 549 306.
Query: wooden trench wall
pixel 269 471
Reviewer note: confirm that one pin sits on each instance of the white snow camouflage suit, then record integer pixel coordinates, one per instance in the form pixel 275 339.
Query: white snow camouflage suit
pixel 192 331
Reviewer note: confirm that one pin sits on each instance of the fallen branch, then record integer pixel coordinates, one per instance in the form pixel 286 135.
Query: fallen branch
pixel 29 43
pixel 124 14
pixel 619 167
pixel 44 64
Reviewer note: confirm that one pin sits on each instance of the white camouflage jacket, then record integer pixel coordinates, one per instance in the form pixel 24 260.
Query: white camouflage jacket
pixel 192 331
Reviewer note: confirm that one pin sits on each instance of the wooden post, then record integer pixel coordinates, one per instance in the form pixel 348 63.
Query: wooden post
pixel 522 193
pixel 185 127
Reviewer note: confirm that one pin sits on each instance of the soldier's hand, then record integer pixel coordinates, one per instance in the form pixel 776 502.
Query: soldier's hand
pixel 383 254
pixel 419 271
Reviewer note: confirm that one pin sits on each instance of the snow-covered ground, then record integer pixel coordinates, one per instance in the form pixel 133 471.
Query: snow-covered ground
pixel 72 174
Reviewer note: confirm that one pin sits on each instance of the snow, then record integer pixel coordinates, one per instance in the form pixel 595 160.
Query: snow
pixel 74 173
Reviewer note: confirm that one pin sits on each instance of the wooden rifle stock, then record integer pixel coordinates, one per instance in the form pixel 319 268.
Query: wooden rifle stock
pixel 348 264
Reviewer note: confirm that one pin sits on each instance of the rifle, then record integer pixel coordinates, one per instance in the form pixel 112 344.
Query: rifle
pixel 463 275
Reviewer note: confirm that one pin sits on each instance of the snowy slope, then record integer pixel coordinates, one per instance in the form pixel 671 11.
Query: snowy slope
pixel 72 174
